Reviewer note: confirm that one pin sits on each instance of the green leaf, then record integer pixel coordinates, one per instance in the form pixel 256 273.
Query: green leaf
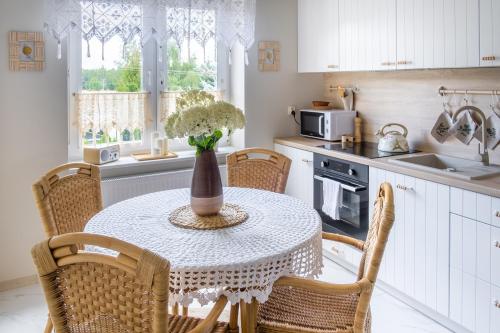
pixel 192 141
pixel 217 135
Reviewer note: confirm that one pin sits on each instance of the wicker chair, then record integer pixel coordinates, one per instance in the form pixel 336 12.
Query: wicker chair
pixel 301 305
pixel 66 203
pixel 90 292
pixel 269 174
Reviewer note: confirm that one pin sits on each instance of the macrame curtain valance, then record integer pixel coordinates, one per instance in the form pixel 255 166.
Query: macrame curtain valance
pixel 199 20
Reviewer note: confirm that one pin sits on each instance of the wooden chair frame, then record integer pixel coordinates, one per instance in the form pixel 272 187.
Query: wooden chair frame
pixel 60 251
pixel 50 181
pixel 366 278
pixel 276 161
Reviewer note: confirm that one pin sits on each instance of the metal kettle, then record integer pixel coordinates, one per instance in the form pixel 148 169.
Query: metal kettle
pixel 393 141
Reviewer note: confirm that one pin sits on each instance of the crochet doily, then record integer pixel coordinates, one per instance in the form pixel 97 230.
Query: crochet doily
pixel 281 237
pixel 229 215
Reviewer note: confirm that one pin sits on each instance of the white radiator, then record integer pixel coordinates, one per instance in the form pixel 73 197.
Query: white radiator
pixel 122 188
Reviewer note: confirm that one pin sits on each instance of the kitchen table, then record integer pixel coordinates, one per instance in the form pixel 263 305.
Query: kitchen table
pixel 281 237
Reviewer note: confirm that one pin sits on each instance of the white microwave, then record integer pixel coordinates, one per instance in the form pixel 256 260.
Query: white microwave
pixel 328 125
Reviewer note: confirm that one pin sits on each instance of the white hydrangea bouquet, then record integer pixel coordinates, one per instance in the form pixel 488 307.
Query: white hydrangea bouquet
pixel 200 118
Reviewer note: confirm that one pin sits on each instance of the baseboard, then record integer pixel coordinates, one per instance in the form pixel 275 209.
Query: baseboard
pixel 423 309
pixel 18 283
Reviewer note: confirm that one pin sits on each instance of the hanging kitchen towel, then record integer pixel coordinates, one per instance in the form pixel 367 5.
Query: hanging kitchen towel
pixel 464 128
pixel 441 130
pixel 492 131
pixel 332 198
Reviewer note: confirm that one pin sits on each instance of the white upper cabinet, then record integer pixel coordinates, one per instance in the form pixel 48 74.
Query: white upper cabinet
pixel 318 36
pixel 361 35
pixel 490 32
pixel 367 35
pixel 439 34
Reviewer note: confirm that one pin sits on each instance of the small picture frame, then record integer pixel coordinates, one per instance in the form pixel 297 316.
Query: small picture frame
pixel 26 51
pixel 269 56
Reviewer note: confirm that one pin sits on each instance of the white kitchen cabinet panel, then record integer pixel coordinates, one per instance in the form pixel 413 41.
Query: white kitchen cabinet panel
pixel 483 252
pixel 456 295
pixel 416 260
pixel 489 32
pixel 383 53
pixel 469 301
pixel 495 256
pixel 300 179
pixel 495 309
pixel 483 305
pixel 406 28
pixel 483 208
pixel 318 36
pixel 495 212
pixel 461 33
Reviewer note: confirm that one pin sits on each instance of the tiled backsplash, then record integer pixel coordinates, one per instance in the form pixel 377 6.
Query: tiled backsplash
pixel 411 98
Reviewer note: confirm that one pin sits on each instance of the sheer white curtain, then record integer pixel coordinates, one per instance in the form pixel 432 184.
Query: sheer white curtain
pixel 229 20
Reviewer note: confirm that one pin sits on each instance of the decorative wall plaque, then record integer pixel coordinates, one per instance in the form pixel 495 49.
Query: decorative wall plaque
pixel 26 51
pixel 269 56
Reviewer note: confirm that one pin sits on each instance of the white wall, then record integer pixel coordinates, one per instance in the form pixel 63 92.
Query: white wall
pixel 33 126
pixel 267 94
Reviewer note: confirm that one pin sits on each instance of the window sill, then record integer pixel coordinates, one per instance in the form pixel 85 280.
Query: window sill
pixel 128 166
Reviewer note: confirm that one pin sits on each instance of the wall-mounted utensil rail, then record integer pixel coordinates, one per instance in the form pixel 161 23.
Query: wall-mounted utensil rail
pixel 337 88
pixel 443 92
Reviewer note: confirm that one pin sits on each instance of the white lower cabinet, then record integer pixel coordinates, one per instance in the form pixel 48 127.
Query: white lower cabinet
pixel 474 259
pixel 444 249
pixel 416 260
pixel 300 179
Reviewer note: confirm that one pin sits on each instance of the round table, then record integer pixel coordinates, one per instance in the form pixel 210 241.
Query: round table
pixel 281 237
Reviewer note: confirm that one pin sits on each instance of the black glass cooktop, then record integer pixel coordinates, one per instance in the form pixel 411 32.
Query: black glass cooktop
pixel 364 149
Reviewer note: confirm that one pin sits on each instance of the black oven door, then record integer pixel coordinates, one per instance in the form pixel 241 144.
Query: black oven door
pixel 353 220
pixel 312 124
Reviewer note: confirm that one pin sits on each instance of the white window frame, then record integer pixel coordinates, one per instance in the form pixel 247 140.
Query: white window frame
pixel 152 71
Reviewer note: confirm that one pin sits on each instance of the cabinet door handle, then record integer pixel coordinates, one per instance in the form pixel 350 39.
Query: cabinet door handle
pixel 489 58
pixel 388 63
pixel 332 66
pixel 404 62
pixel 496 304
pixel 497 214
pixel 305 160
pixel 496 244
pixel 404 188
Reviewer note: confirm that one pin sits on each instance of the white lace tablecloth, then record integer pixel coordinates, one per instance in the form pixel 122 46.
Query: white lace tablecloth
pixel 281 237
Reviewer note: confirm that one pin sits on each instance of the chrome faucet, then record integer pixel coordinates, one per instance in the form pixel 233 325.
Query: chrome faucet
pixel 485 157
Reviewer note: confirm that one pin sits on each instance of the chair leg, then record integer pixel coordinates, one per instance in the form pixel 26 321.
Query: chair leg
pixel 252 316
pixel 233 318
pixel 48 326
pixel 244 317
pixel 175 309
pixel 185 311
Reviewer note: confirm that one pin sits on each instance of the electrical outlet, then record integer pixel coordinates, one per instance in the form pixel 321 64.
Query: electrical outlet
pixel 291 110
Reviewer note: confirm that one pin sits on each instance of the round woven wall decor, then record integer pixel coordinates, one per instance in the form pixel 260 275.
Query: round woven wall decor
pixel 229 216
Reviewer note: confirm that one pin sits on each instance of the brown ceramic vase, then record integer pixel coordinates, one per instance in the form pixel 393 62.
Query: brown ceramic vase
pixel 206 187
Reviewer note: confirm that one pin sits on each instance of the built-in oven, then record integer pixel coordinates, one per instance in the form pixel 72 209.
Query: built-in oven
pixel 353 211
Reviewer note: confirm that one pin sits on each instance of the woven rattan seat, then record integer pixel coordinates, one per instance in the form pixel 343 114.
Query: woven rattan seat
pixel 269 173
pixel 90 292
pixel 66 202
pixel 300 305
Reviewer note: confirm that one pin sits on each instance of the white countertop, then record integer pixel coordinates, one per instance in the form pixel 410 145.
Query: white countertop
pixel 489 186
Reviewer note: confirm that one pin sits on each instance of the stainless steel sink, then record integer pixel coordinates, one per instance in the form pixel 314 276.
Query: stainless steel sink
pixel 450 166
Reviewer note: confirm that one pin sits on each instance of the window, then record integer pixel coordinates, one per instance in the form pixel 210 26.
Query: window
pixel 122 92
